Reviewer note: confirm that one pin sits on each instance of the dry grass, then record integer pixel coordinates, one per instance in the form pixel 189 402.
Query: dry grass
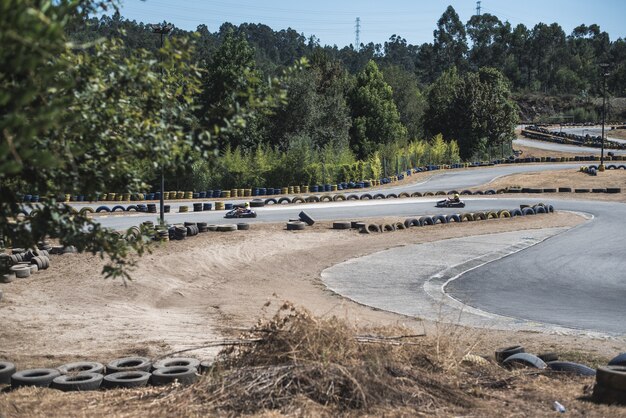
pixel 300 365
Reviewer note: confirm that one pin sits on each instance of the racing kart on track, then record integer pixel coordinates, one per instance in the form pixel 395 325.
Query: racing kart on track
pixel 446 203
pixel 240 213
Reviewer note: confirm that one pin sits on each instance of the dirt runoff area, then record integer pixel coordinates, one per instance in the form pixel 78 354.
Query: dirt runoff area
pixel 187 297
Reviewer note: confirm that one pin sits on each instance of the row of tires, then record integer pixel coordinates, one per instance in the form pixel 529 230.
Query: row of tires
pixel 180 231
pixel 22 263
pixel 610 385
pixel 365 228
pixel 128 372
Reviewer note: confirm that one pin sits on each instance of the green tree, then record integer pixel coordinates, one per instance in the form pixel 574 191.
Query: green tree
pixel 80 120
pixel 408 99
pixel 375 117
pixel 475 109
pixel 450 44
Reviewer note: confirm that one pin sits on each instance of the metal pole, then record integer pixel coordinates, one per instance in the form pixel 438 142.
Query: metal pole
pixel 604 74
pixel 161 199
pixel 162 30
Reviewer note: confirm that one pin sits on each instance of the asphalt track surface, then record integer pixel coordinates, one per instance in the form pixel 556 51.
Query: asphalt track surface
pixel 574 149
pixel 574 279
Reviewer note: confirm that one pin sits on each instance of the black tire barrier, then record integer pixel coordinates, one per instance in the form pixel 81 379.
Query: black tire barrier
pixel 103 209
pixel 491 215
pixel 338 197
pixel 516 212
pixel 403 195
pixel 202 227
pixel 399 226
pixel 342 225
pixel 128 364
pixel 490 191
pixel 226 228
pixel 6 370
pixel 359 225
pixel 548 357
pixel 257 203
pixel 466 192
pixel 469 217
pixel 77 382
pixel 305 217
pixel 416 194
pixel 197 207
pixel 619 360
pixel 284 200
pixel 295 226
pixel 439 219
pixel 502 354
pixel 621 166
pixel 581 190
pixel 83 211
pixel 504 214
pixel 379 196
pixel 565 189
pixel 501 191
pixel 388 228
pixel 130 379
pixel 598 190
pixel 426 220
pixel 549 190
pixel 326 198
pixel 613 190
pixel 453 218
pixel 608 396
pixel 179 232
pixel 411 222
pixel 528 211
pixel 353 197
pixel 132 207
pixel 478 192
pixel 192 230
pixel 115 208
pixel 297 199
pixel 271 201
pixel 524 360
pixel 243 226
pixel 81 367
pixel 181 374
pixel 539 209
pixel 440 193
pixel 392 196
pixel 176 361
pixel 513 190
pixel 428 194
pixel 569 367
pixel 356 224
pixel 480 216
pixel 366 196
pixel 451 192
pixel 312 199
pixel 34 377
pixel 373 228
pixel 612 377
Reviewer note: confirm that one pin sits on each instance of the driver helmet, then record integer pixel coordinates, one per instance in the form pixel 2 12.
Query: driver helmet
pixel 456 195
pixel 246 205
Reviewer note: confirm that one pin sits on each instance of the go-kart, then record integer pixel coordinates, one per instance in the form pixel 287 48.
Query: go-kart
pixel 450 204
pixel 240 213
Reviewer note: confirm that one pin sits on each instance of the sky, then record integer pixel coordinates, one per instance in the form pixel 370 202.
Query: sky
pixel 334 22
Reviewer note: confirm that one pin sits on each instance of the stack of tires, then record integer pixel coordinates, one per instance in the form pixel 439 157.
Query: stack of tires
pixel 610 387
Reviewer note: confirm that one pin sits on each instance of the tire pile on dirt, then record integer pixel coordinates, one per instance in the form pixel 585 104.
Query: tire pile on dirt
pixel 128 372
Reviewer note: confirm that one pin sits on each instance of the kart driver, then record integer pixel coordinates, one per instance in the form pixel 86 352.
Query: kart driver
pixel 454 199
pixel 244 209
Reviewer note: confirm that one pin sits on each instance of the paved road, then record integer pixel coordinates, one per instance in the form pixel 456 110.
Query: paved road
pixel 573 149
pixel 574 280
pixel 444 180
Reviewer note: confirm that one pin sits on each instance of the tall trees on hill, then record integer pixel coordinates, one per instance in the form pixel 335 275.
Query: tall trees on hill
pixel 375 117
pixel 475 109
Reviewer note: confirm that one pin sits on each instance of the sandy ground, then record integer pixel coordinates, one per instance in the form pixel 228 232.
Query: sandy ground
pixel 187 294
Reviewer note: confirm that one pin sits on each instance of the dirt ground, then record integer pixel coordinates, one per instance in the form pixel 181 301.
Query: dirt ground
pixel 186 295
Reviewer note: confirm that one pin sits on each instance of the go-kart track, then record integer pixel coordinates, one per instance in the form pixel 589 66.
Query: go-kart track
pixel 568 280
